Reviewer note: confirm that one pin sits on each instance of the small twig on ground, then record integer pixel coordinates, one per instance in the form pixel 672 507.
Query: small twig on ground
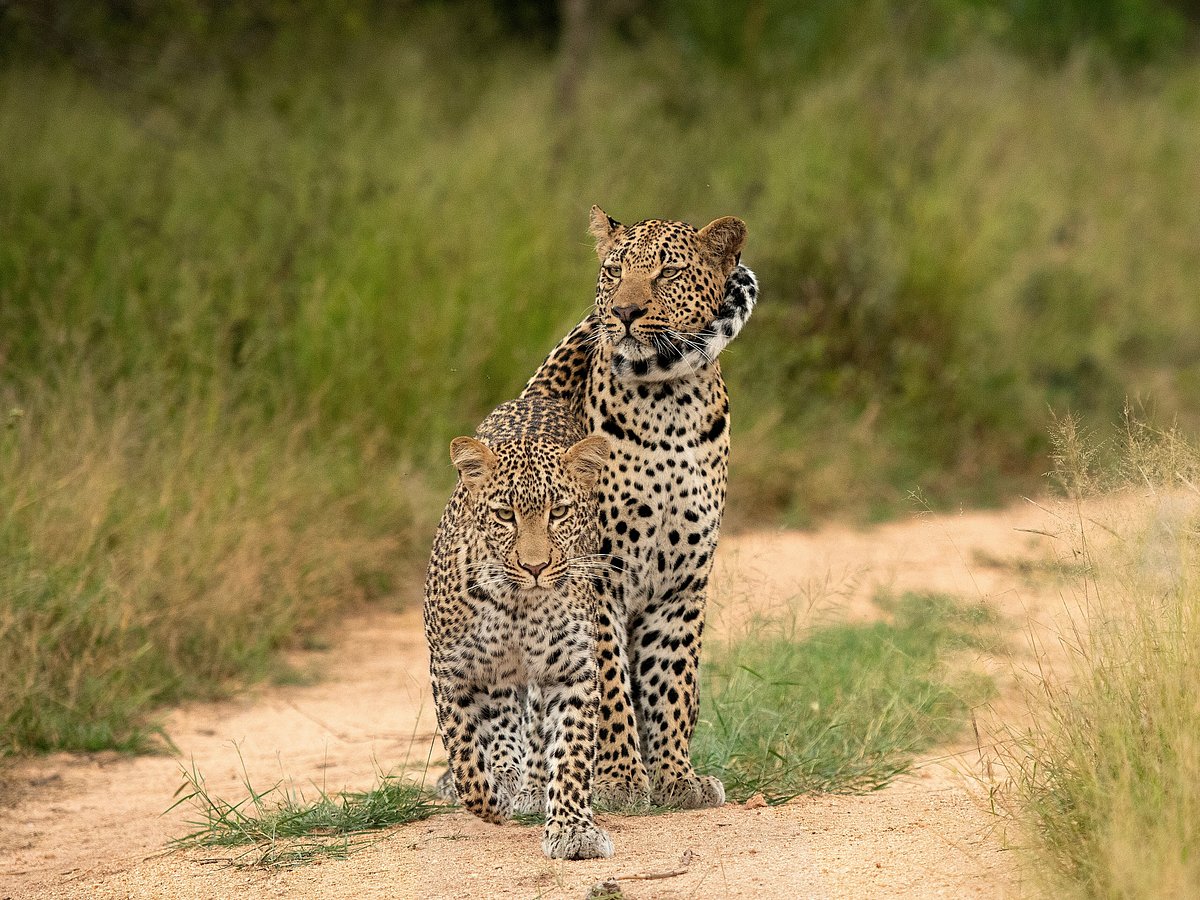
pixel 610 889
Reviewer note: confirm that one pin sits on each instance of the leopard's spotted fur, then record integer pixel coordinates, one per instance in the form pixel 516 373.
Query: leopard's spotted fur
pixel 510 609
pixel 643 370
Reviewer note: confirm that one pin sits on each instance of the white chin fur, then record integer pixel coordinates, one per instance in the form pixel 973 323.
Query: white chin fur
pixel 634 361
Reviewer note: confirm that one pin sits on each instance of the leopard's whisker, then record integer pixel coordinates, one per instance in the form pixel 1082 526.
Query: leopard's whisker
pixel 692 342
pixel 490 582
pixel 606 558
pixel 686 357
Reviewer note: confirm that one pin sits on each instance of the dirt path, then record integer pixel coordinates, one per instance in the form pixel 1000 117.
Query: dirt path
pixel 93 826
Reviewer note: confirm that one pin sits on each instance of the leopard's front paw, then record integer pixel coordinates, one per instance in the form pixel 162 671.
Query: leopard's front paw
pixel 577 841
pixel 690 792
pixel 621 794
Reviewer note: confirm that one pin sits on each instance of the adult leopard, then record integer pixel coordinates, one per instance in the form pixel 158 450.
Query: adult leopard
pixel 642 369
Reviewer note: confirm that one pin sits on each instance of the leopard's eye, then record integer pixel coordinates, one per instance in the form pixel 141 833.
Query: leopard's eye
pixel 559 511
pixel 668 272
pixel 504 514
pixel 612 271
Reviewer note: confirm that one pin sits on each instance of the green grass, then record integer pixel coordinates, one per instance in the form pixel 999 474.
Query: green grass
pixel 1104 784
pixel 843 708
pixel 280 826
pixel 236 341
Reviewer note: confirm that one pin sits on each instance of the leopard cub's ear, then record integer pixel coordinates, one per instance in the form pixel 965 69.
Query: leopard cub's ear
pixel 723 239
pixel 474 460
pixel 605 229
pixel 586 460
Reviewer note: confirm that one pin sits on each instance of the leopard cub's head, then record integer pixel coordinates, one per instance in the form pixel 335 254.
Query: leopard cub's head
pixel 661 282
pixel 534 503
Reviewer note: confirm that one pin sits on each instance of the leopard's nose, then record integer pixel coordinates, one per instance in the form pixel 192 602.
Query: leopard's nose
pixel 628 313
pixel 535 569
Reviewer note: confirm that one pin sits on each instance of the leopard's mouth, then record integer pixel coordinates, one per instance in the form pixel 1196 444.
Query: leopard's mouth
pixel 537 586
pixel 664 347
pixel 632 347
pixel 537 594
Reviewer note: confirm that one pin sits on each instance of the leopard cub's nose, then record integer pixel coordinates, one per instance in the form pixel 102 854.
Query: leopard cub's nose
pixel 628 313
pixel 535 569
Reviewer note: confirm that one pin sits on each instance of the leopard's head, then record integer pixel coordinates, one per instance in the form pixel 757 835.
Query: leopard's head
pixel 661 282
pixel 534 504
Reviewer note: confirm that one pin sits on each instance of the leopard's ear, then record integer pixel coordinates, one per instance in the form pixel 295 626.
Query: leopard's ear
pixel 586 460
pixel 474 460
pixel 605 229
pixel 723 239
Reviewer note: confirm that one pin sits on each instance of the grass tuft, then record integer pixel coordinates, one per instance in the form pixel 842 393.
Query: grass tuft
pixel 282 827
pixel 844 708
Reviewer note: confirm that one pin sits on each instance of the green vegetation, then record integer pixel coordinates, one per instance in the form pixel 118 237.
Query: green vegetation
pixel 844 708
pixel 254 276
pixel 151 558
pixel 1105 784
pixel 840 708
pixel 280 827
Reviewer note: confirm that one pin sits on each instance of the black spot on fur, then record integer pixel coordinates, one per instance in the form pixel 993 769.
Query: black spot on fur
pixel 718 427
pixel 614 429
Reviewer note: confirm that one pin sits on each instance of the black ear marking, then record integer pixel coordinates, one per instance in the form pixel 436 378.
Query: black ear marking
pixel 612 223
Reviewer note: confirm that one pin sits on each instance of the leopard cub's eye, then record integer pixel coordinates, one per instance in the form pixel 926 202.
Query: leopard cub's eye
pixel 559 511
pixel 504 514
pixel 668 271
pixel 612 271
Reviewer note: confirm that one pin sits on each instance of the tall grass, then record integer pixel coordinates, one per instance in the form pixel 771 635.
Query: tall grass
pixel 1105 784
pixel 147 558
pixel 244 307
pixel 395 241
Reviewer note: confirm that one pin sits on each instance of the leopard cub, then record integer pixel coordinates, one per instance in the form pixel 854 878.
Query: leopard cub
pixel 510 616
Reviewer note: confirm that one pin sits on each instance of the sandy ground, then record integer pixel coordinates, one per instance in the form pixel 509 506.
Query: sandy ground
pixel 94 826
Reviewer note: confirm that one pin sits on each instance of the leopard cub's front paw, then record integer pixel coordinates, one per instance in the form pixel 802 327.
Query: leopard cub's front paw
pixel 576 841
pixel 691 792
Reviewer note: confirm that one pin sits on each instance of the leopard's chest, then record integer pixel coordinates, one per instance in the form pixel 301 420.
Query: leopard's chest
pixel 663 493
pixel 504 644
